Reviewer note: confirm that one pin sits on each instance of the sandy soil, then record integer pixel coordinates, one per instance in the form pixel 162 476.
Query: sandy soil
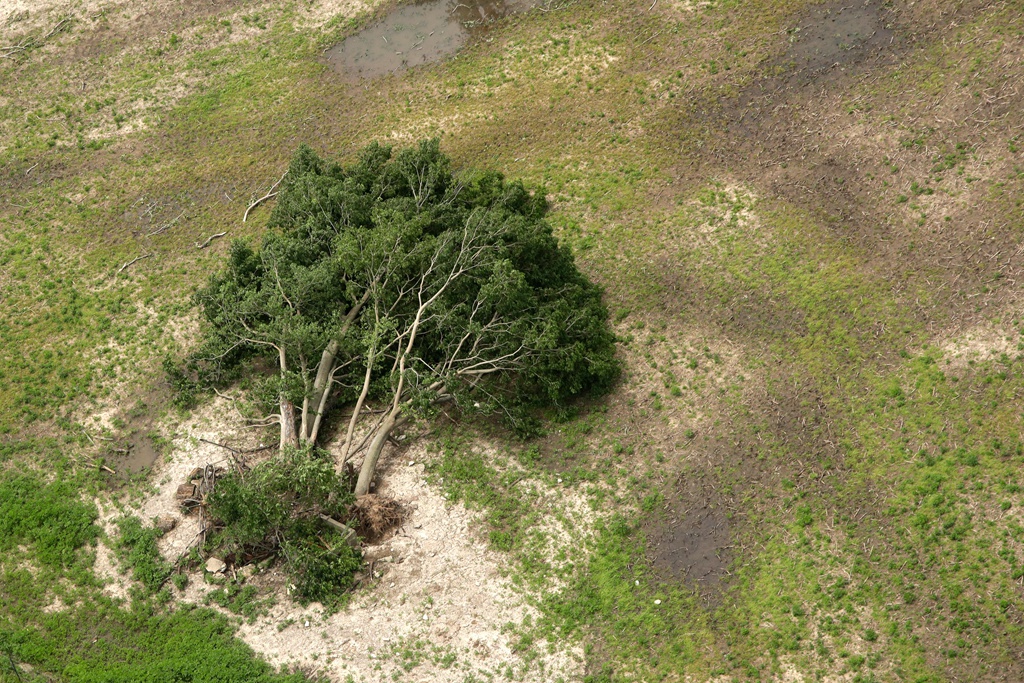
pixel 981 343
pixel 440 603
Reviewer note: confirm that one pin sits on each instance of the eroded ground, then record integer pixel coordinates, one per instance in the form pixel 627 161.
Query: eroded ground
pixel 807 217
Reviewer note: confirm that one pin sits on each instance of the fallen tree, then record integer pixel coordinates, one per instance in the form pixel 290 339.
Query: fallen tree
pixel 397 284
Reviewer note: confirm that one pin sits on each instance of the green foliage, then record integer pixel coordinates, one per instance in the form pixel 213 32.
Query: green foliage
pixel 185 390
pixel 321 567
pixel 269 500
pixel 136 547
pixel 464 265
pixel 98 642
pixel 276 507
pixel 49 517
pixel 240 599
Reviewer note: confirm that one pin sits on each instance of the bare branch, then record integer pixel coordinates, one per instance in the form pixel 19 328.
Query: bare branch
pixel 210 239
pixel 166 226
pixel 128 264
pixel 264 198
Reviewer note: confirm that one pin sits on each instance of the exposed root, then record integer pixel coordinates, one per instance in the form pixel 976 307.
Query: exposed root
pixel 376 515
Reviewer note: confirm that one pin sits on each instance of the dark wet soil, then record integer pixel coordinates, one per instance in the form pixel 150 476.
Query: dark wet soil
pixel 418 33
pixel 142 454
pixel 693 545
pixel 839 33
pixel 690 539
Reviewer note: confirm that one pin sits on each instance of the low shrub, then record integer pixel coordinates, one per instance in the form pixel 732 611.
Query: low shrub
pixel 275 509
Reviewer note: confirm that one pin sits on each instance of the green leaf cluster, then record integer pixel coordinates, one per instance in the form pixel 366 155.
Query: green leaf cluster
pixel 276 507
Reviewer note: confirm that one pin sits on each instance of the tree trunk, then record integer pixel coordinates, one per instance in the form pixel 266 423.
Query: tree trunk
pixel 318 420
pixel 324 374
pixel 320 386
pixel 289 433
pixel 347 446
pixel 374 451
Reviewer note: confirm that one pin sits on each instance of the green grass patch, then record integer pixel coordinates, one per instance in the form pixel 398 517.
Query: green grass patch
pixel 137 548
pixel 49 518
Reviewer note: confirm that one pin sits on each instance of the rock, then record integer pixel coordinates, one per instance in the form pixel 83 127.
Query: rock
pixel 166 523
pixel 186 491
pixel 196 473
pixel 215 566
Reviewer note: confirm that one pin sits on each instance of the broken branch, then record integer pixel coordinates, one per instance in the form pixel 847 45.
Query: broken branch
pixel 128 264
pixel 210 239
pixel 264 198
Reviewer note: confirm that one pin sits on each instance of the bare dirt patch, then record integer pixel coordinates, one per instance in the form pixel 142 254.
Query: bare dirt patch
pixel 434 600
pixel 980 343
pixel 435 583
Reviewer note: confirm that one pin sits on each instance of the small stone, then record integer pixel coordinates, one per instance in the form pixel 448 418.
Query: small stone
pixel 559 480
pixel 657 602
pixel 166 523
pixel 307 623
pixel 411 463
pixel 425 617
pixel 637 582
pixel 417 525
pixel 215 566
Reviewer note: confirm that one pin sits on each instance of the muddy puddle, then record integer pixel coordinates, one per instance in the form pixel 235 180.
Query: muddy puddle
pixel 137 453
pixel 416 34
pixel 694 546
pixel 836 34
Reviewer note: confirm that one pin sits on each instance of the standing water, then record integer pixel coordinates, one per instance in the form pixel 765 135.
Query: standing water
pixel 415 34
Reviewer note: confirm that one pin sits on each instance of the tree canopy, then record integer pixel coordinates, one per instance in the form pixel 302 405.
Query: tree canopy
pixel 399 283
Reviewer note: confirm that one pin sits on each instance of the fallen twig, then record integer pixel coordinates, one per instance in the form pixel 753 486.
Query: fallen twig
pixel 264 198
pixel 166 226
pixel 58 27
pixel 9 50
pixel 129 263
pixel 209 239
pixel 214 443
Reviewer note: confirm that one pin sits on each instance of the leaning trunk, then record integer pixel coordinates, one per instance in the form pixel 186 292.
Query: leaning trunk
pixel 374 451
pixel 325 375
pixel 320 386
